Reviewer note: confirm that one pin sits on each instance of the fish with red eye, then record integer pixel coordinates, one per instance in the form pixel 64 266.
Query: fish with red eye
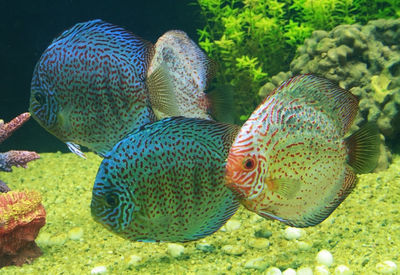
pixel 293 160
pixel 249 164
pixel 240 183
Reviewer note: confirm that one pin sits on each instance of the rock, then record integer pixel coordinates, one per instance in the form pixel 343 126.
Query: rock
pixel 232 225
pixel 263 233
pixel 3 187
pixel 342 270
pixel 321 270
pixel 289 271
pixel 324 257
pixel 205 247
pixel 273 271
pixel 235 250
pixel 175 250
pixel 259 243
pixel 304 246
pixel 304 271
pixel 259 264
pixel 134 260
pixel 75 233
pixel 386 267
pixel 58 239
pixel 293 233
pixel 99 270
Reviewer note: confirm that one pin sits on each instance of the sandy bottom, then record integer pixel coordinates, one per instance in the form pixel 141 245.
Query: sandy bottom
pixel 362 232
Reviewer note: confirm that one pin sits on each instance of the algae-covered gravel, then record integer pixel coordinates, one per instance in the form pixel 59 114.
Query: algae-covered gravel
pixel 361 234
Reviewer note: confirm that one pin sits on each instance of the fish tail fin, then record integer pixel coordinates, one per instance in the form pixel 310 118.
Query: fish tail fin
pixel 363 146
pixel 222 103
pixel 161 93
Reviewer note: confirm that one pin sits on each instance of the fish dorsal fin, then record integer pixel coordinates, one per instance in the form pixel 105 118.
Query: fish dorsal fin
pixel 284 187
pixel 112 38
pixel 222 103
pixel 363 146
pixel 161 93
pixel 340 104
pixel 224 131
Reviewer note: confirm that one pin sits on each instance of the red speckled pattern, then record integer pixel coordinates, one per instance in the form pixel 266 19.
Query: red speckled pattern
pixel 295 140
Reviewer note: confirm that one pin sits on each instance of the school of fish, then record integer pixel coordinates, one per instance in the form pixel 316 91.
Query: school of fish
pixel 170 171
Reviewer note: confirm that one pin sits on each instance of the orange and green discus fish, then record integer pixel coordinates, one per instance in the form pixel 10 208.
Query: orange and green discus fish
pixel 291 160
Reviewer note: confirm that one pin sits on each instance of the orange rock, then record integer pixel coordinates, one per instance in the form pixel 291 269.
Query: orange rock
pixel 21 217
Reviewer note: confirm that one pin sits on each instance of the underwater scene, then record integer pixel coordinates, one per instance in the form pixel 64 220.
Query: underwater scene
pixel 200 137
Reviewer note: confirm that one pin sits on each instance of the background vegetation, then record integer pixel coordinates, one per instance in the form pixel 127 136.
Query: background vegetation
pixel 251 40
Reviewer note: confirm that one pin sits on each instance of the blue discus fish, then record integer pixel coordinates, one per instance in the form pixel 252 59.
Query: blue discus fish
pixel 165 182
pixel 90 86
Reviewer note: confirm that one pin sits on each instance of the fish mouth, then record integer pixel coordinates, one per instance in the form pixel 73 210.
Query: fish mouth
pixel 236 188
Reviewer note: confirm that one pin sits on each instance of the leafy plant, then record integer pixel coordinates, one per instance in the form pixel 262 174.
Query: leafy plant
pixel 252 40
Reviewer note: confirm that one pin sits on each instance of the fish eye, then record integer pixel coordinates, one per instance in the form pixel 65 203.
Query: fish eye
pixel 249 164
pixel 39 98
pixel 111 200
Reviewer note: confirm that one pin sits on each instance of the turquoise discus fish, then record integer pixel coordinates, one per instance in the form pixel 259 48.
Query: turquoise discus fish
pixel 165 182
pixel 291 160
pixel 90 86
pixel 189 71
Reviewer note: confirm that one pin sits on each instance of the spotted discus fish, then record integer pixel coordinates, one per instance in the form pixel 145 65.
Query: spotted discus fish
pixel 189 70
pixel 165 182
pixel 291 161
pixel 90 86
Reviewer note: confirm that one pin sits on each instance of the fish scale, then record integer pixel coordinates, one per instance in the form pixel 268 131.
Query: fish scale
pixel 290 160
pixel 89 85
pixel 170 175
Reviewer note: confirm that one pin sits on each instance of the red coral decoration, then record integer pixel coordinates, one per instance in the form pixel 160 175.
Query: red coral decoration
pixel 7 129
pixel 21 217
pixel 14 158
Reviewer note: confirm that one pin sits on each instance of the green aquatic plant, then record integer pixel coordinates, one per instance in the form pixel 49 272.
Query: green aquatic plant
pixel 252 40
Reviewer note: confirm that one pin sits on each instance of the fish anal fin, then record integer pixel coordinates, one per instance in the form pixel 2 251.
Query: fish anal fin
pixel 363 148
pixel 161 92
pixel 285 187
pixel 318 215
pixel 349 183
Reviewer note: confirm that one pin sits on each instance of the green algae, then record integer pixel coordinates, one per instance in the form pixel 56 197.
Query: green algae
pixel 362 232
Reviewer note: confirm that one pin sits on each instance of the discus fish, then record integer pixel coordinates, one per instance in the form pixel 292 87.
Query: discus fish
pixel 165 182
pixel 90 86
pixel 190 70
pixel 291 161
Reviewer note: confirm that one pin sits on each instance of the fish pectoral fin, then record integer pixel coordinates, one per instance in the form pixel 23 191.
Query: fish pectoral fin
pixel 287 188
pixel 222 103
pixel 76 149
pixel 363 146
pixel 161 92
